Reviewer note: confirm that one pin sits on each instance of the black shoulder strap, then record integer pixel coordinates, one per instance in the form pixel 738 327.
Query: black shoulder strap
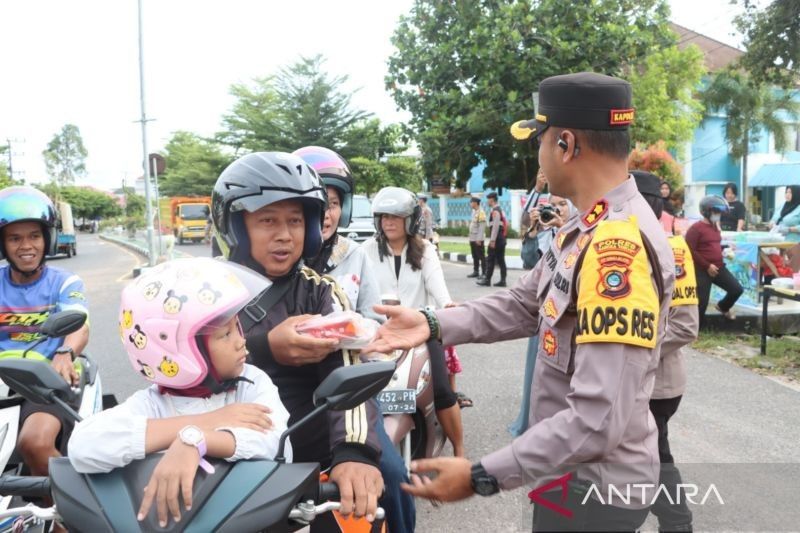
pixel 256 311
pixel 652 256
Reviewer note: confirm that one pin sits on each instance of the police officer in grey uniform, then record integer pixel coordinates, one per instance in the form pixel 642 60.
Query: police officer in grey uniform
pixel 683 324
pixel 599 300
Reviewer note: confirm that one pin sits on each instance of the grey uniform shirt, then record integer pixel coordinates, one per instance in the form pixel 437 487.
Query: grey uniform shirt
pixel 590 401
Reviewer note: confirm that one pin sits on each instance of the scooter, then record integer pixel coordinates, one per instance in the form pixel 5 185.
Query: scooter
pixel 255 495
pixel 409 415
pixel 87 395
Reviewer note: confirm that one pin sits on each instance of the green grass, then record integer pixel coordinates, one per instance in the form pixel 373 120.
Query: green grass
pixel 455 247
pixel 782 358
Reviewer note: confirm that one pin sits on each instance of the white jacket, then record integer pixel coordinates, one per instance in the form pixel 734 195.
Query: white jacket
pixel 115 437
pixel 355 274
pixel 415 288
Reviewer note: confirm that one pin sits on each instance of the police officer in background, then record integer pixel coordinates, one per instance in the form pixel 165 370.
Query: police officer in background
pixel 683 323
pixel 600 297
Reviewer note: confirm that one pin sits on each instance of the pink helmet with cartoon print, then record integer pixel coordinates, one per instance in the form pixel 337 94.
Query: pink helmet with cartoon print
pixel 165 309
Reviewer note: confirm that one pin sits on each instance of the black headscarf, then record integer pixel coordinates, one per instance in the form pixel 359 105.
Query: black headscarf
pixel 788 207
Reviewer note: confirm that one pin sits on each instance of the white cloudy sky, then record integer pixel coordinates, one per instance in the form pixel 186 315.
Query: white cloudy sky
pixel 76 61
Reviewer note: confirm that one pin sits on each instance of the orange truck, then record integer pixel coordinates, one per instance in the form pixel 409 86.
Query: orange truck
pixel 185 217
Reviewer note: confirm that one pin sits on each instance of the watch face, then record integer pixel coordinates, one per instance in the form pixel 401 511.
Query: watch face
pixel 191 435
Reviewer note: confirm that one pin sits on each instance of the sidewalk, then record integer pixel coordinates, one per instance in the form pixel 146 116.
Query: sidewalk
pixel 513 260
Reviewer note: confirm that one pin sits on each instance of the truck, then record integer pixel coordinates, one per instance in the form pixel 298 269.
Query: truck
pixel 65 230
pixel 186 217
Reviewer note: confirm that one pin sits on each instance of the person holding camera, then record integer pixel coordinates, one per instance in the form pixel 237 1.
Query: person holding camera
pixel 544 221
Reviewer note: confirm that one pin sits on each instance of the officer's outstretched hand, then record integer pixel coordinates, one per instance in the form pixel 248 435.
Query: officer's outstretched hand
pixel 405 329
pixel 451 484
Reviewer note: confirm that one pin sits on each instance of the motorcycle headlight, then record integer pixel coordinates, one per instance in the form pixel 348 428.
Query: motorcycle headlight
pixel 424 377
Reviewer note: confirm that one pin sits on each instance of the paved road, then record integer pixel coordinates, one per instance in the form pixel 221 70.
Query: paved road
pixel 729 414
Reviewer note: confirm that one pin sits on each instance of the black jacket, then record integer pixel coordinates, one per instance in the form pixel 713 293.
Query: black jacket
pixel 349 435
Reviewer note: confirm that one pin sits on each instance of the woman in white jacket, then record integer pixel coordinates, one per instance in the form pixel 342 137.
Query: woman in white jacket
pixel 408 266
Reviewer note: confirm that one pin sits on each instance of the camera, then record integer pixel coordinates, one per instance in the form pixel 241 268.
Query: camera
pixel 547 213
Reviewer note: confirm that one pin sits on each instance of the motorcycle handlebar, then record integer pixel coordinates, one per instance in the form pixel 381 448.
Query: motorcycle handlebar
pixel 328 492
pixel 25 486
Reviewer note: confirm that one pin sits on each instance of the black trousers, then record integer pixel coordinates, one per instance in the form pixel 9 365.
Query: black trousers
pixel 443 394
pixel 724 280
pixel 478 251
pixel 594 516
pixel 497 255
pixel 677 513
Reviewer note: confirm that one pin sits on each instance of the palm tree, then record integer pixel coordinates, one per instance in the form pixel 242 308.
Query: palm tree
pixel 752 109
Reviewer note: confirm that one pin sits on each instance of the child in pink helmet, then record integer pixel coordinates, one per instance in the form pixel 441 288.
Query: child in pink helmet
pixel 179 326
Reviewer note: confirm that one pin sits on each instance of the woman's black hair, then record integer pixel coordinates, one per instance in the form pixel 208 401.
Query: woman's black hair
pixel 414 253
pixel 731 187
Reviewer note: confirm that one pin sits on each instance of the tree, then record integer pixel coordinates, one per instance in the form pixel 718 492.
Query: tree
pixel 134 203
pixel 90 203
pixel 772 41
pixel 466 85
pixel 370 175
pixel 657 160
pixel 65 156
pixel 300 106
pixel 752 109
pixel 371 140
pixel 192 165
pixel 663 95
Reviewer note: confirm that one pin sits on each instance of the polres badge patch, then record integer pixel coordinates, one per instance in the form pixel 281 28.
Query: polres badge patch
pixel 615 257
pixel 617 301
pixel 685 291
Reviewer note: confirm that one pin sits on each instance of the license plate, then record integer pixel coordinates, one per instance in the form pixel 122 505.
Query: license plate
pixel 398 401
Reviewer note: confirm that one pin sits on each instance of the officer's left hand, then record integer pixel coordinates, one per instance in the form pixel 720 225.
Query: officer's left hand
pixel 453 480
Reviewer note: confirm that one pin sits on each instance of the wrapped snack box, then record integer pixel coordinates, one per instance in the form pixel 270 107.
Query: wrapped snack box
pixel 348 327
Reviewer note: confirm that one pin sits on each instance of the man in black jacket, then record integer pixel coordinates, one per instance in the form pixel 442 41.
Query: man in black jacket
pixel 268 209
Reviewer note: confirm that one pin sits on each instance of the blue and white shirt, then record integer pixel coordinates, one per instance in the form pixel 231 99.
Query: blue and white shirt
pixel 25 307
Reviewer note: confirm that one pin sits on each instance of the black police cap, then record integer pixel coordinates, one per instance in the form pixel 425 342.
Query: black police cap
pixel 586 101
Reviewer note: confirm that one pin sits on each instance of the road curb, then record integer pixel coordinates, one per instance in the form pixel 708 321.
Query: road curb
pixel 512 262
pixel 127 244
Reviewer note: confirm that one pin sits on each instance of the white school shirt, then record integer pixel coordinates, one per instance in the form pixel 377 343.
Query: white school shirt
pixel 415 288
pixel 113 438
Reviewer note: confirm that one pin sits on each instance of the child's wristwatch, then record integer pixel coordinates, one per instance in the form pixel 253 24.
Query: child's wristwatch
pixel 194 436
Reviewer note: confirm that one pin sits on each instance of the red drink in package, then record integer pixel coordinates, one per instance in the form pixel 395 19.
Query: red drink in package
pixel 348 327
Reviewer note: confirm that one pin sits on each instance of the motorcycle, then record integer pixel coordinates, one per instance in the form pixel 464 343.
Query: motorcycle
pixel 409 415
pixel 87 394
pixel 253 495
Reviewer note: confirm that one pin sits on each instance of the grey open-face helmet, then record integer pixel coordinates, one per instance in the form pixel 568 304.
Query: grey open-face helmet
pixel 259 179
pixel 400 203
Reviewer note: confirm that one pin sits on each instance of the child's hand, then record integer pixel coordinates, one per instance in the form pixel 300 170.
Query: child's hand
pixel 238 415
pixel 174 473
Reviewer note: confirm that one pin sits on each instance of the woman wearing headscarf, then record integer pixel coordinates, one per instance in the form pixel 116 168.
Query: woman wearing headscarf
pixel 788 217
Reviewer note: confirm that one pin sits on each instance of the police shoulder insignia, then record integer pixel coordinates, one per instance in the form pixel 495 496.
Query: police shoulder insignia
pixel 685 291
pixel 617 301
pixel 596 213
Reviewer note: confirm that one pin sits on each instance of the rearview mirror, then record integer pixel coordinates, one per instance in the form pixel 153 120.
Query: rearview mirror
pixel 350 386
pixel 63 323
pixel 36 381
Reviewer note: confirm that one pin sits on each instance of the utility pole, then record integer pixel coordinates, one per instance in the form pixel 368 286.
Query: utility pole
pixel 145 161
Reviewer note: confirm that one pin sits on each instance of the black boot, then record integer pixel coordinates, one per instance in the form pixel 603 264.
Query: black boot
pixel 501 283
pixel 473 275
pixel 484 282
